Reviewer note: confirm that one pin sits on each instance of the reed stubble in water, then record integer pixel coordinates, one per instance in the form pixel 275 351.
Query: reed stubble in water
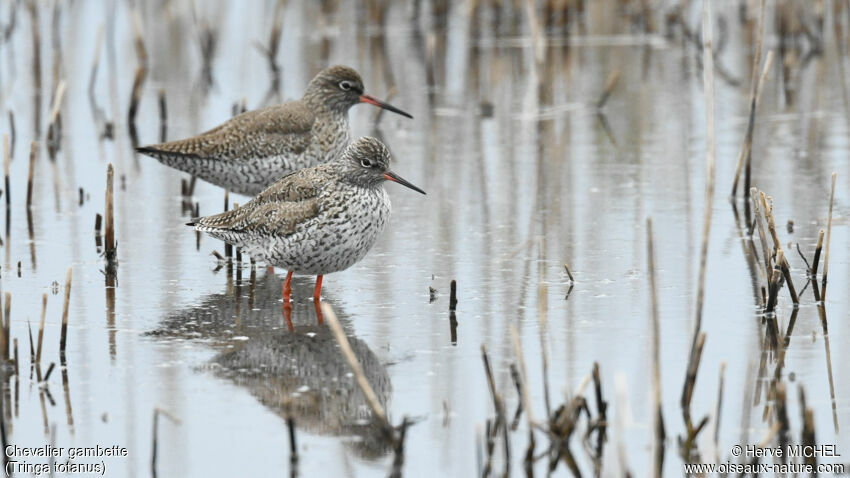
pixel 816 260
pixel 109 220
pixel 394 436
pixel 41 329
pixel 699 336
pixel 31 172
pixel 6 160
pixel 658 417
pixel 154 440
pixel 64 334
pixel 828 236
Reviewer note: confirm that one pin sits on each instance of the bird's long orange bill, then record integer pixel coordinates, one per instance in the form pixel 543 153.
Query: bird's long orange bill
pixel 391 176
pixel 380 104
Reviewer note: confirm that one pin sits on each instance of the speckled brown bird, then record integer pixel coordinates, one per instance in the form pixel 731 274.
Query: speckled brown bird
pixel 316 220
pixel 249 152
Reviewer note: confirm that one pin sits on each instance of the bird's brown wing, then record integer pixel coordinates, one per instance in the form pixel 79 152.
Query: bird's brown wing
pixel 291 200
pixel 275 130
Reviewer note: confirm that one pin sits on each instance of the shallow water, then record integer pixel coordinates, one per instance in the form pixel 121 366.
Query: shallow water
pixel 512 196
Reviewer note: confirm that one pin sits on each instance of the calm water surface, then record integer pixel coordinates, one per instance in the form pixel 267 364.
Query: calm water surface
pixel 516 187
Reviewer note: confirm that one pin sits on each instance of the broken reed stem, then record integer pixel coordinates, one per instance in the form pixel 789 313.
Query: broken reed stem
pixel 33 151
pixel 141 73
pixel 15 354
pixel 658 417
pixel 63 337
pixel 7 316
pixel 354 364
pixel 453 295
pixel 719 403
pixel 57 105
pixel 818 248
pixel 828 235
pixel 526 399
pixel 6 160
pixel 747 147
pixel 691 377
pixel 41 329
pixel 755 95
pixel 569 274
pixel 135 96
pixel 708 79
pixel 109 220
pixel 610 84
pixel 781 261
pixel 757 207
pixel 12 131
pixel 542 307
pixel 156 413
pixel 773 291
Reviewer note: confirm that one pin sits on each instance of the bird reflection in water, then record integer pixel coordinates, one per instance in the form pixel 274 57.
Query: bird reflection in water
pixel 288 359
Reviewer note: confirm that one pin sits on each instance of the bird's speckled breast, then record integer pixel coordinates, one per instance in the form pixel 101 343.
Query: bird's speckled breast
pixel 350 222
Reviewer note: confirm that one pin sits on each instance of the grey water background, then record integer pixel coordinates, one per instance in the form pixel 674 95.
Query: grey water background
pixel 512 196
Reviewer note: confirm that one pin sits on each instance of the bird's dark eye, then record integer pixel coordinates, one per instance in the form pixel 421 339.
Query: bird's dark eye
pixel 366 163
pixel 345 85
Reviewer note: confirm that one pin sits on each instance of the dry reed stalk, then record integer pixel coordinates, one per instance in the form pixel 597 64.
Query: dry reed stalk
pixel 32 348
pixel 135 97
pixel 526 398
pixel 537 39
pixel 758 220
pixel 31 173
pixel 58 96
pixel 41 328
pixel 782 262
pixel 354 364
pixel 756 85
pixel 622 397
pixel 154 445
pixel 13 132
pixel 7 316
pixel 610 84
pixel 542 307
pixel 64 334
pixel 109 220
pixel 773 289
pixel 6 160
pixel 719 406
pixel 828 235
pixel 708 80
pixel 691 377
pixel 15 354
pixel 658 417
pixel 569 274
pixel 818 248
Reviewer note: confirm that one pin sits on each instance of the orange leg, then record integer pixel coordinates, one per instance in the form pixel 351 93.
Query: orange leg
pixel 317 291
pixel 270 270
pixel 286 289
